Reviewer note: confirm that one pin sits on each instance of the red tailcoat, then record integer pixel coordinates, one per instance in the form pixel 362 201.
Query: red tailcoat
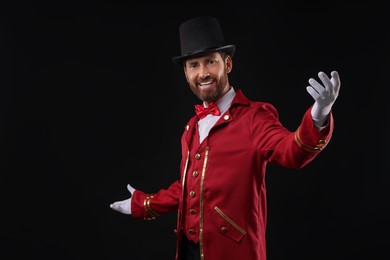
pixel 221 193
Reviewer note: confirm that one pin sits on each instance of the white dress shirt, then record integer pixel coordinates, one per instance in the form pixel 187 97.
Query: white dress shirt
pixel 206 123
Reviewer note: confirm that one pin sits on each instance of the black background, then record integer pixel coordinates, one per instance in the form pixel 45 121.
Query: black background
pixel 90 101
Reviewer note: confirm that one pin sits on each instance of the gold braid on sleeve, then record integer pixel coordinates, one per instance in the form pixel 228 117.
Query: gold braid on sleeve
pixel 320 145
pixel 148 208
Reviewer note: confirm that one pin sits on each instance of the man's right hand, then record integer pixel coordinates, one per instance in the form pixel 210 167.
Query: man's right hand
pixel 124 206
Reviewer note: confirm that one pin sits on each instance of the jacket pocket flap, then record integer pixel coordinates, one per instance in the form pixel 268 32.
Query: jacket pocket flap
pixel 226 226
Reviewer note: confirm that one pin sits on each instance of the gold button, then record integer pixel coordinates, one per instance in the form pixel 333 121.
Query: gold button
pixel 197 156
pixel 224 229
pixel 195 174
pixel 322 141
pixel 191 231
pixel 192 194
pixel 192 211
pixel 226 117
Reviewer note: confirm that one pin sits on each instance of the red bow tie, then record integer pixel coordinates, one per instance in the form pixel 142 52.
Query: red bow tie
pixel 202 111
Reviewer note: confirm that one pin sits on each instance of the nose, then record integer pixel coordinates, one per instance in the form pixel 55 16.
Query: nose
pixel 203 72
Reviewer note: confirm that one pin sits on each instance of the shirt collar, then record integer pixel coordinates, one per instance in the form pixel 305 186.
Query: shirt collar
pixel 224 102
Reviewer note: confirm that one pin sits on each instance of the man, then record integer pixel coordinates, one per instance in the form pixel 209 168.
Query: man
pixel 221 194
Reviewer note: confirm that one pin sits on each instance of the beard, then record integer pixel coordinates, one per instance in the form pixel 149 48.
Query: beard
pixel 211 94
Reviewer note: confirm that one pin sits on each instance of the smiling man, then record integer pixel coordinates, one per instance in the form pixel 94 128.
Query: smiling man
pixel 220 194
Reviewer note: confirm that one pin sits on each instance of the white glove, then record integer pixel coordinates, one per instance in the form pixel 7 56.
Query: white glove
pixel 324 96
pixel 124 206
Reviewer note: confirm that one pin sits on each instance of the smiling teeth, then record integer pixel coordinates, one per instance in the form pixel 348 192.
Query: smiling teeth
pixel 205 83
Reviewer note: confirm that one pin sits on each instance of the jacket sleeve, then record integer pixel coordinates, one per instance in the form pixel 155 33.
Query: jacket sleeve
pixel 293 149
pixel 150 206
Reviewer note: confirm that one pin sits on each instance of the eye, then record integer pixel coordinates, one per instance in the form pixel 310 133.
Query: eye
pixel 192 65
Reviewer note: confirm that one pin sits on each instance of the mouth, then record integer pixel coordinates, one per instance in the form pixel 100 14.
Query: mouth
pixel 206 85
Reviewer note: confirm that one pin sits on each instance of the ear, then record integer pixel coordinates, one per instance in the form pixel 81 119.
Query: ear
pixel 229 64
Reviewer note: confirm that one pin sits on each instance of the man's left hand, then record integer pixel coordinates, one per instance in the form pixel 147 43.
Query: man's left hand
pixel 324 96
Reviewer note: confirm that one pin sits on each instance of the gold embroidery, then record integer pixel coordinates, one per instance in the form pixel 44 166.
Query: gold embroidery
pixel 206 155
pixel 321 144
pixel 148 208
pixel 229 220
pixel 151 211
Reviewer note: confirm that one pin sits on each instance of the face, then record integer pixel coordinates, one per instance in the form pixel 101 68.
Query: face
pixel 207 76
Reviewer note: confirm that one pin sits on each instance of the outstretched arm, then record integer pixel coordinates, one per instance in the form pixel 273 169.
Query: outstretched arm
pixel 149 206
pixel 324 96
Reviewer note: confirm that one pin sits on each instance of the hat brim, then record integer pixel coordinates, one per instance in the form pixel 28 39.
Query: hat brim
pixel 229 49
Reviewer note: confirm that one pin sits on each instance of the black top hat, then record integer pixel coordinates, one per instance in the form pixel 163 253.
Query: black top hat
pixel 199 36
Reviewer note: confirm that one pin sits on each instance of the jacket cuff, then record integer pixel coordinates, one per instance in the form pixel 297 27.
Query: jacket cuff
pixel 141 206
pixel 309 138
